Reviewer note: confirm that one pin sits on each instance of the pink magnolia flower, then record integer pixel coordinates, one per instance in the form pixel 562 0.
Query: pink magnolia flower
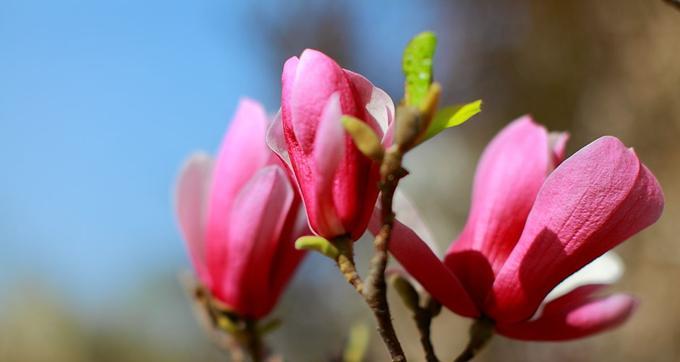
pixel 530 227
pixel 339 185
pixel 240 217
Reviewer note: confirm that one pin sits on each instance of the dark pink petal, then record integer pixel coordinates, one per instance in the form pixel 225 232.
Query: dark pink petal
pixel 510 173
pixel 191 206
pixel 593 201
pixel 242 153
pixel 356 190
pixel 421 262
pixel 255 228
pixel 575 315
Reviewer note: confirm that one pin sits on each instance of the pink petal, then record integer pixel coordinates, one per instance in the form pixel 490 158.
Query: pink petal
pixel 294 154
pixel 329 147
pixel 317 77
pixel 510 173
pixel 191 195
pixel 419 260
pixel 593 201
pixel 575 315
pixel 254 231
pixel 242 153
pixel 287 83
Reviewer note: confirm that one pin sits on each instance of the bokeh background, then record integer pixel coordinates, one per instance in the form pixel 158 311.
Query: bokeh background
pixel 100 101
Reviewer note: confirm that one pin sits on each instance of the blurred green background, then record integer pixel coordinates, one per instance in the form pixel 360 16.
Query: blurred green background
pixel 100 102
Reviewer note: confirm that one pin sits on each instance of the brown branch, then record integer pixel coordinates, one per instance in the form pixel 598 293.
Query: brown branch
pixel 376 287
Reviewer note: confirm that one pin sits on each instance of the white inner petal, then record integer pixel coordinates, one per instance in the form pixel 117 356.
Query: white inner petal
pixel 606 269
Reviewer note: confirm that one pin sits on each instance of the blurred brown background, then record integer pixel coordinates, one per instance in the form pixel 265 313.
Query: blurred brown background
pixel 589 67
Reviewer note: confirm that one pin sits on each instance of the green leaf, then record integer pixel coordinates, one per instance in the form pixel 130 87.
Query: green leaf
pixel 317 243
pixel 364 137
pixel 452 116
pixel 417 67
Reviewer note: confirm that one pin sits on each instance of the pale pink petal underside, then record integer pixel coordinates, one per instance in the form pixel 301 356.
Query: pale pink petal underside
pixel 276 140
pixel 408 214
pixel 378 104
pixel 191 195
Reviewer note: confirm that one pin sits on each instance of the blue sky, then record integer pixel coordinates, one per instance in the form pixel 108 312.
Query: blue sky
pixel 99 103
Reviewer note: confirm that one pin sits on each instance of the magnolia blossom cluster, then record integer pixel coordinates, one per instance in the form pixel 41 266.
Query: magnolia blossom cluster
pixel 535 218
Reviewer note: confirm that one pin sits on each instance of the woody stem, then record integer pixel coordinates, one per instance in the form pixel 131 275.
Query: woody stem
pixel 375 290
